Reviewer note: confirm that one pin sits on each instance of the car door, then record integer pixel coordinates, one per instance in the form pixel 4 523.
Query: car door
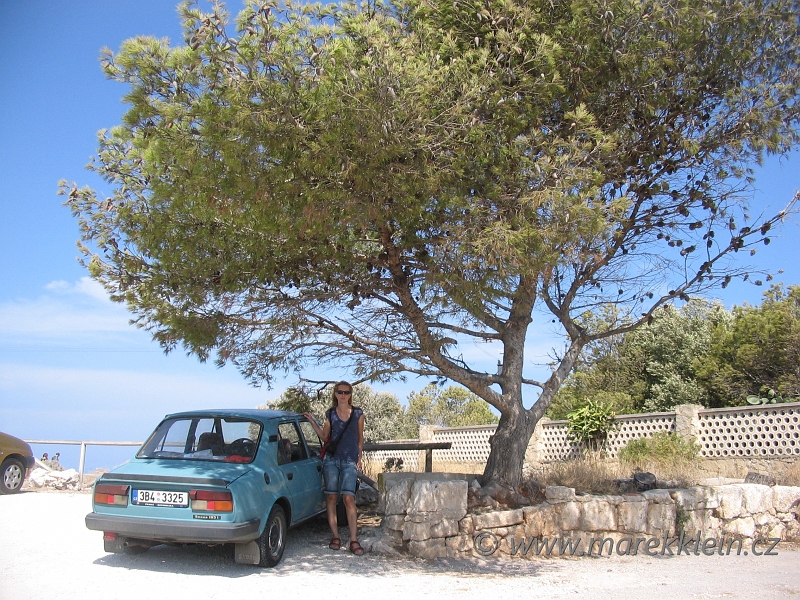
pixel 302 474
pixel 314 446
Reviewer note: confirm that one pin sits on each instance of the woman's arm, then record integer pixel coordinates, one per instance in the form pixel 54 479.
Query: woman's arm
pixel 361 420
pixel 323 432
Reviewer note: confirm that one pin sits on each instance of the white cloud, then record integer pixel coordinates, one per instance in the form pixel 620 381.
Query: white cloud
pixel 85 286
pixel 67 311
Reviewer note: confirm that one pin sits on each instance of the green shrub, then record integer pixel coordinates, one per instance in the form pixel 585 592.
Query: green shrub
pixel 591 423
pixel 662 448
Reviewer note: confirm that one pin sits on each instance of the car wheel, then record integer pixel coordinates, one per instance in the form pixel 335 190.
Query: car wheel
pixel 13 473
pixel 273 541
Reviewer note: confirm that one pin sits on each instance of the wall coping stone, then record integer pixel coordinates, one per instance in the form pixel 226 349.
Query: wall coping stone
pixel 559 493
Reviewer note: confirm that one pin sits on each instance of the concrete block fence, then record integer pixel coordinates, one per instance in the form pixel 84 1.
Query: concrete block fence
pixel 748 435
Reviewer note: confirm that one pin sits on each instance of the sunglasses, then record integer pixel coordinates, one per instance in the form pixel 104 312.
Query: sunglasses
pixel 345 392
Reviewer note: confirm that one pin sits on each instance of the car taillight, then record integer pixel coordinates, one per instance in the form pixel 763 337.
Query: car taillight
pixel 111 494
pixel 216 501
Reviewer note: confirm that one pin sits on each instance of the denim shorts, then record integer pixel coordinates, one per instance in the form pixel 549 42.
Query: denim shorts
pixel 340 476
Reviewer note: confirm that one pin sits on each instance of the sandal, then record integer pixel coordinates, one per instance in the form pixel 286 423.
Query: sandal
pixel 356 548
pixel 335 544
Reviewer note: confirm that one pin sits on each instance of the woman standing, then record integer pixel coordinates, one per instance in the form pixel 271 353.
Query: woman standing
pixel 344 430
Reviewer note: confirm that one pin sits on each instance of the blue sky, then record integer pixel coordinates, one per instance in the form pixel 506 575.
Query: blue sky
pixel 70 365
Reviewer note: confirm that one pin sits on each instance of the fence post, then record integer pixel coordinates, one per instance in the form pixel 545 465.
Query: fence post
pixel 426 435
pixel 80 465
pixel 687 421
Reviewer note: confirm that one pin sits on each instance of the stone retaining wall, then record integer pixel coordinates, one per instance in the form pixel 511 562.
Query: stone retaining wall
pixel 426 514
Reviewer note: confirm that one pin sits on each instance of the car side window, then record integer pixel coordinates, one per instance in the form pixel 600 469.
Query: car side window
pixel 290 444
pixel 312 439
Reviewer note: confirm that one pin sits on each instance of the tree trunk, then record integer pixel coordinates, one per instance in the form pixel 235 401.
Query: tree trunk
pixel 508 446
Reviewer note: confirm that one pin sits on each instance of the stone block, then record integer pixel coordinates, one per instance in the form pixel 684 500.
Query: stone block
pixel 762 519
pixel 419 532
pixel 786 498
pixel 569 515
pixel 742 527
pixel 756 498
pixel 559 493
pixel 459 543
pixel 466 525
pixel 518 532
pixel 500 518
pixel 397 496
pixel 632 516
pixel 614 500
pixel 657 496
pixel 777 531
pixel 730 501
pixel 762 478
pixel 661 519
pixel 598 515
pixel 540 520
pixel 701 520
pixel 447 499
pixel 393 522
pixel 445 528
pixel 394 537
pixel 696 498
pixel 430 549
pixel 792 531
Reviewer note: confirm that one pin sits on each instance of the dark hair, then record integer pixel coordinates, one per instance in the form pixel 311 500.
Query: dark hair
pixel 334 402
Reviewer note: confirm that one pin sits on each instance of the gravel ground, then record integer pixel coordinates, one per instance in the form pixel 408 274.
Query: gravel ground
pixel 46 552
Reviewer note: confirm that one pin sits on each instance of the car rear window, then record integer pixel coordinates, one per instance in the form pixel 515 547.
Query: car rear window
pixel 204 438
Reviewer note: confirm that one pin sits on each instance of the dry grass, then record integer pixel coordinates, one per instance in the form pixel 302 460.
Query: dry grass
pixel 595 475
pixel 790 475
pixel 371 468
pixel 589 473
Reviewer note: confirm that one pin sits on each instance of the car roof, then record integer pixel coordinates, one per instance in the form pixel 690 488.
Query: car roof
pixel 244 413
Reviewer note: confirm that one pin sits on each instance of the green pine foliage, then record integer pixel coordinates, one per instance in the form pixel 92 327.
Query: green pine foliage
pixel 373 187
pixel 697 354
pixel 757 353
pixel 452 406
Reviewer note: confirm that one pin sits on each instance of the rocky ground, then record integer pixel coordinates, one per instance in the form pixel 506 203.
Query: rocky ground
pixel 46 552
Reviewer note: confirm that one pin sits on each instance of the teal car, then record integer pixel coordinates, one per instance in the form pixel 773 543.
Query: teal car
pixel 212 477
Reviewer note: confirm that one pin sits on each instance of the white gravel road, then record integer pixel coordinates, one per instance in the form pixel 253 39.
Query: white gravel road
pixel 46 552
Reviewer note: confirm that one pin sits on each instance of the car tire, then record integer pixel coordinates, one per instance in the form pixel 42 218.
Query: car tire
pixel 12 475
pixel 272 542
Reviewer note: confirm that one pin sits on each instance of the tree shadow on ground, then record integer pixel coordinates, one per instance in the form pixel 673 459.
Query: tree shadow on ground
pixel 307 550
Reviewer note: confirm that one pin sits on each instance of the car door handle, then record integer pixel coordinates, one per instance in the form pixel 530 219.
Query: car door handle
pixel 289 475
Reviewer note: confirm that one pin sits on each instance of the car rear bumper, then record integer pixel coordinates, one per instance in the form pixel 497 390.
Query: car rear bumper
pixel 174 531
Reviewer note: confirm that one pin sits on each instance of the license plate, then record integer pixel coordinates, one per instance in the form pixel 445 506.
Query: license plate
pixel 159 498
